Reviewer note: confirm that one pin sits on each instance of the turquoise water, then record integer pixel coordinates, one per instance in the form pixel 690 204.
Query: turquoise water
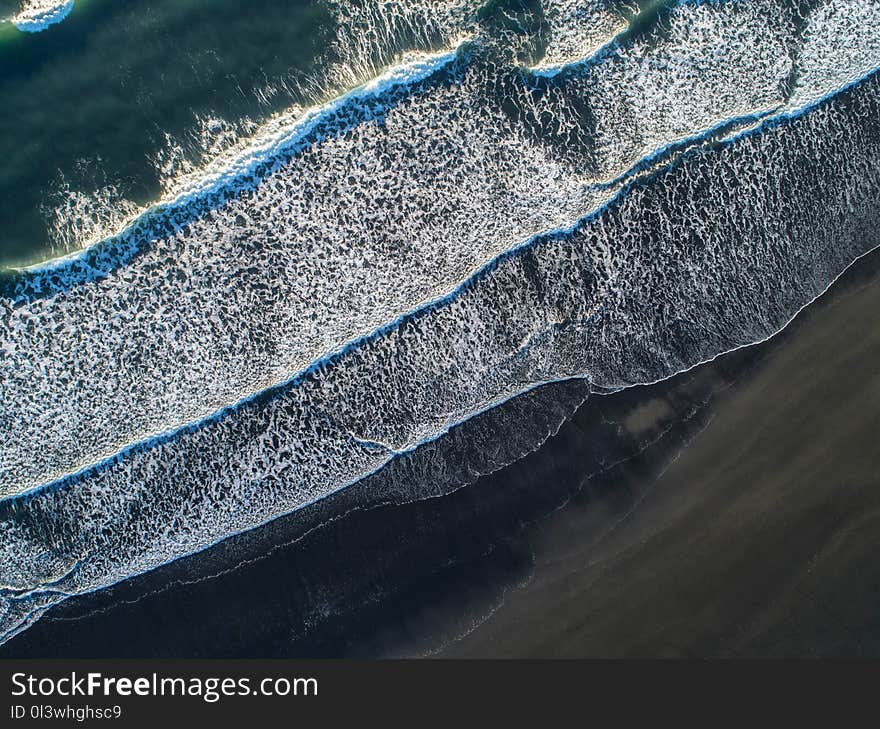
pixel 92 98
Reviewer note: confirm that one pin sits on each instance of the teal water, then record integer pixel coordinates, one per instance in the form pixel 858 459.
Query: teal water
pixel 90 100
pixel 8 7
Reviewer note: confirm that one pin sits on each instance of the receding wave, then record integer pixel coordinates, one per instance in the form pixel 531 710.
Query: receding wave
pixel 418 252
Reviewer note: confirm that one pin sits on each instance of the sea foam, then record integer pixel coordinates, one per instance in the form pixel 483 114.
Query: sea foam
pixel 35 16
pixel 414 254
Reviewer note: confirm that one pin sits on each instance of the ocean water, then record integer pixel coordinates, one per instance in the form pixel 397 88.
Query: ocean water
pixel 300 262
pixel 108 105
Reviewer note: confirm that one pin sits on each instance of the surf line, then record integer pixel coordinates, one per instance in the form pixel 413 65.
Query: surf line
pixel 276 136
pixel 419 309
pixel 422 309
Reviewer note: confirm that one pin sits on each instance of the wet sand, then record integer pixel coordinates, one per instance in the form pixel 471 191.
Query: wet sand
pixel 760 538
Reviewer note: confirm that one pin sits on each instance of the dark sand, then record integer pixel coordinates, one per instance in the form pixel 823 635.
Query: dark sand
pixel 760 539
pixel 727 511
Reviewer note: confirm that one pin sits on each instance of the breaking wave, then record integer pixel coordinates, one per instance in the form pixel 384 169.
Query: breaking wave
pixel 555 198
pixel 34 16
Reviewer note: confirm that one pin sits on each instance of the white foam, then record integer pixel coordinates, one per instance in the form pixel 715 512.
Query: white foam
pixel 578 30
pixel 37 15
pixel 842 44
pixel 344 235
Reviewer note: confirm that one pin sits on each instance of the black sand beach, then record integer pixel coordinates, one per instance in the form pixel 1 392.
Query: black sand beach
pixel 759 539
pixel 729 511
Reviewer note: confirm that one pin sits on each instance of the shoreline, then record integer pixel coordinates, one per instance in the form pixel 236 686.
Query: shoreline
pixel 754 540
pixel 485 561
